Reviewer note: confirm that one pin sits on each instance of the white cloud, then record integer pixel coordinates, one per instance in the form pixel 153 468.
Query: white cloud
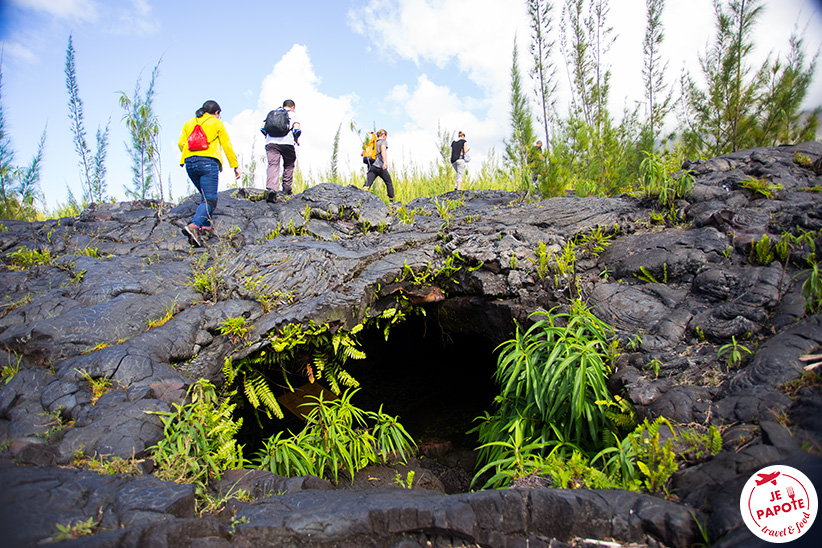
pixel 18 51
pixel 63 9
pixel 136 19
pixel 320 116
pixel 475 36
pixel 432 108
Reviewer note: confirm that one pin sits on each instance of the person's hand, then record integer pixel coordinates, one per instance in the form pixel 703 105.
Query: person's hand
pixel 237 172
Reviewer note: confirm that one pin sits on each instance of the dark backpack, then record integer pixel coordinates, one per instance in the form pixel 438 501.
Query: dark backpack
pixel 277 123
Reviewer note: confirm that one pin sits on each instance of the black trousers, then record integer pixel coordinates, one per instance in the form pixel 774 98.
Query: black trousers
pixel 373 173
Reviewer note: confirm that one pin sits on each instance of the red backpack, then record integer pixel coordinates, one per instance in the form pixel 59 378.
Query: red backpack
pixel 197 139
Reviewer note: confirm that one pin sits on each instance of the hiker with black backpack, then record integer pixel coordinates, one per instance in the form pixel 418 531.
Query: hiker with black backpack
pixel 379 166
pixel 459 157
pixel 282 131
pixel 203 141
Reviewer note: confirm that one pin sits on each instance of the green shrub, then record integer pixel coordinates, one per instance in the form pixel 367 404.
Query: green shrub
pixel 552 380
pixel 198 438
pixel 23 258
pixel 336 437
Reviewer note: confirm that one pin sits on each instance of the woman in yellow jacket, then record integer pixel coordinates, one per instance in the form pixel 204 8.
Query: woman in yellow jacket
pixel 204 166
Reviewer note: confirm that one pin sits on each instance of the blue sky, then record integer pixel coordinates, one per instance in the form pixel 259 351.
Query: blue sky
pixel 409 66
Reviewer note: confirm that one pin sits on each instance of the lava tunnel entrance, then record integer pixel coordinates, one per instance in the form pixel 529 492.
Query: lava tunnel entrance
pixel 437 382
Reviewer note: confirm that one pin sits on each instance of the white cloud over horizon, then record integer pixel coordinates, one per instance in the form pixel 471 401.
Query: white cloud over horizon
pixel 81 10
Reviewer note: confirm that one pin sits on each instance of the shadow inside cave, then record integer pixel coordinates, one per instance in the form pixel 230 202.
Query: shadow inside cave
pixel 436 382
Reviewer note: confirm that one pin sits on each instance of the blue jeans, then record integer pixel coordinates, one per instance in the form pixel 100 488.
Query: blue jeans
pixel 204 173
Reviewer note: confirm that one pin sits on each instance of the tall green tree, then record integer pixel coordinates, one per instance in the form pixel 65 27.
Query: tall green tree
pixel 781 118
pixel 144 128
pixel 444 138
pixel 19 185
pixel 721 118
pixel 543 70
pixel 335 156
pixel 592 150
pixel 517 149
pixel 6 153
pixel 658 95
pixel 92 165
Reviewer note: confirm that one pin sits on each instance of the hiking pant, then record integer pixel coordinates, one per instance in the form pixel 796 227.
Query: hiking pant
pixel 275 152
pixel 373 173
pixel 459 167
pixel 204 172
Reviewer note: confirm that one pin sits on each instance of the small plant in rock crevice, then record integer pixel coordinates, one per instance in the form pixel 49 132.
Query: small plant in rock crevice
pixel 762 251
pixel 11 369
pixel 208 281
pixel 812 288
pixel 24 258
pixel 235 327
pixel 542 261
pixel 75 530
pixel 170 310
pixel 99 386
pixel 657 182
pixel 734 353
pixel 760 186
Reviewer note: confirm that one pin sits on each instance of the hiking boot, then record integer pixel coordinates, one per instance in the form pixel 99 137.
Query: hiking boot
pixel 270 196
pixel 206 232
pixel 192 232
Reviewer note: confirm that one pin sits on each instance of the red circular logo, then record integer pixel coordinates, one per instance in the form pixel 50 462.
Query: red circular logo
pixel 778 503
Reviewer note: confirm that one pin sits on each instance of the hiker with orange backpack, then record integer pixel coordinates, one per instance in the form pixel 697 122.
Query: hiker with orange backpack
pixel 378 167
pixel 203 141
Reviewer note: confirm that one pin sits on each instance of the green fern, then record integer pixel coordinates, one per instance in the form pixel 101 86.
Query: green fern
pixel 259 394
pixel 619 411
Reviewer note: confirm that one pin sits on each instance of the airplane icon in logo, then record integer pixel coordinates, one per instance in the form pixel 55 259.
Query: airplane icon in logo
pixel 765 478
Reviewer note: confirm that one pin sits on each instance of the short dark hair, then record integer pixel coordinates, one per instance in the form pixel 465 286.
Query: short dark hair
pixel 289 103
pixel 210 107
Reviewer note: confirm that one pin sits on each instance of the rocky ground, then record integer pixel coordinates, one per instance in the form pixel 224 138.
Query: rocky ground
pixel 676 290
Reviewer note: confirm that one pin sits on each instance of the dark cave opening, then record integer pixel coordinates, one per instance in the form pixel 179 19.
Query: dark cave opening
pixel 437 382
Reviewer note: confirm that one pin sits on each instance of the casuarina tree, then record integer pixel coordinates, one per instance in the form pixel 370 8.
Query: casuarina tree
pixel 144 127
pixel 658 95
pixel 93 170
pixel 522 129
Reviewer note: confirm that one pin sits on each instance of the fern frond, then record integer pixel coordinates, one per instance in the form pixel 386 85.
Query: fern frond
pixel 250 392
pixel 346 379
pixel 331 379
pixel 266 396
pixel 319 362
pixel 715 440
pixel 229 372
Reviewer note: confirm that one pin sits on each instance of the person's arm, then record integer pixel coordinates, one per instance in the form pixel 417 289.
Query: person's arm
pixel 384 154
